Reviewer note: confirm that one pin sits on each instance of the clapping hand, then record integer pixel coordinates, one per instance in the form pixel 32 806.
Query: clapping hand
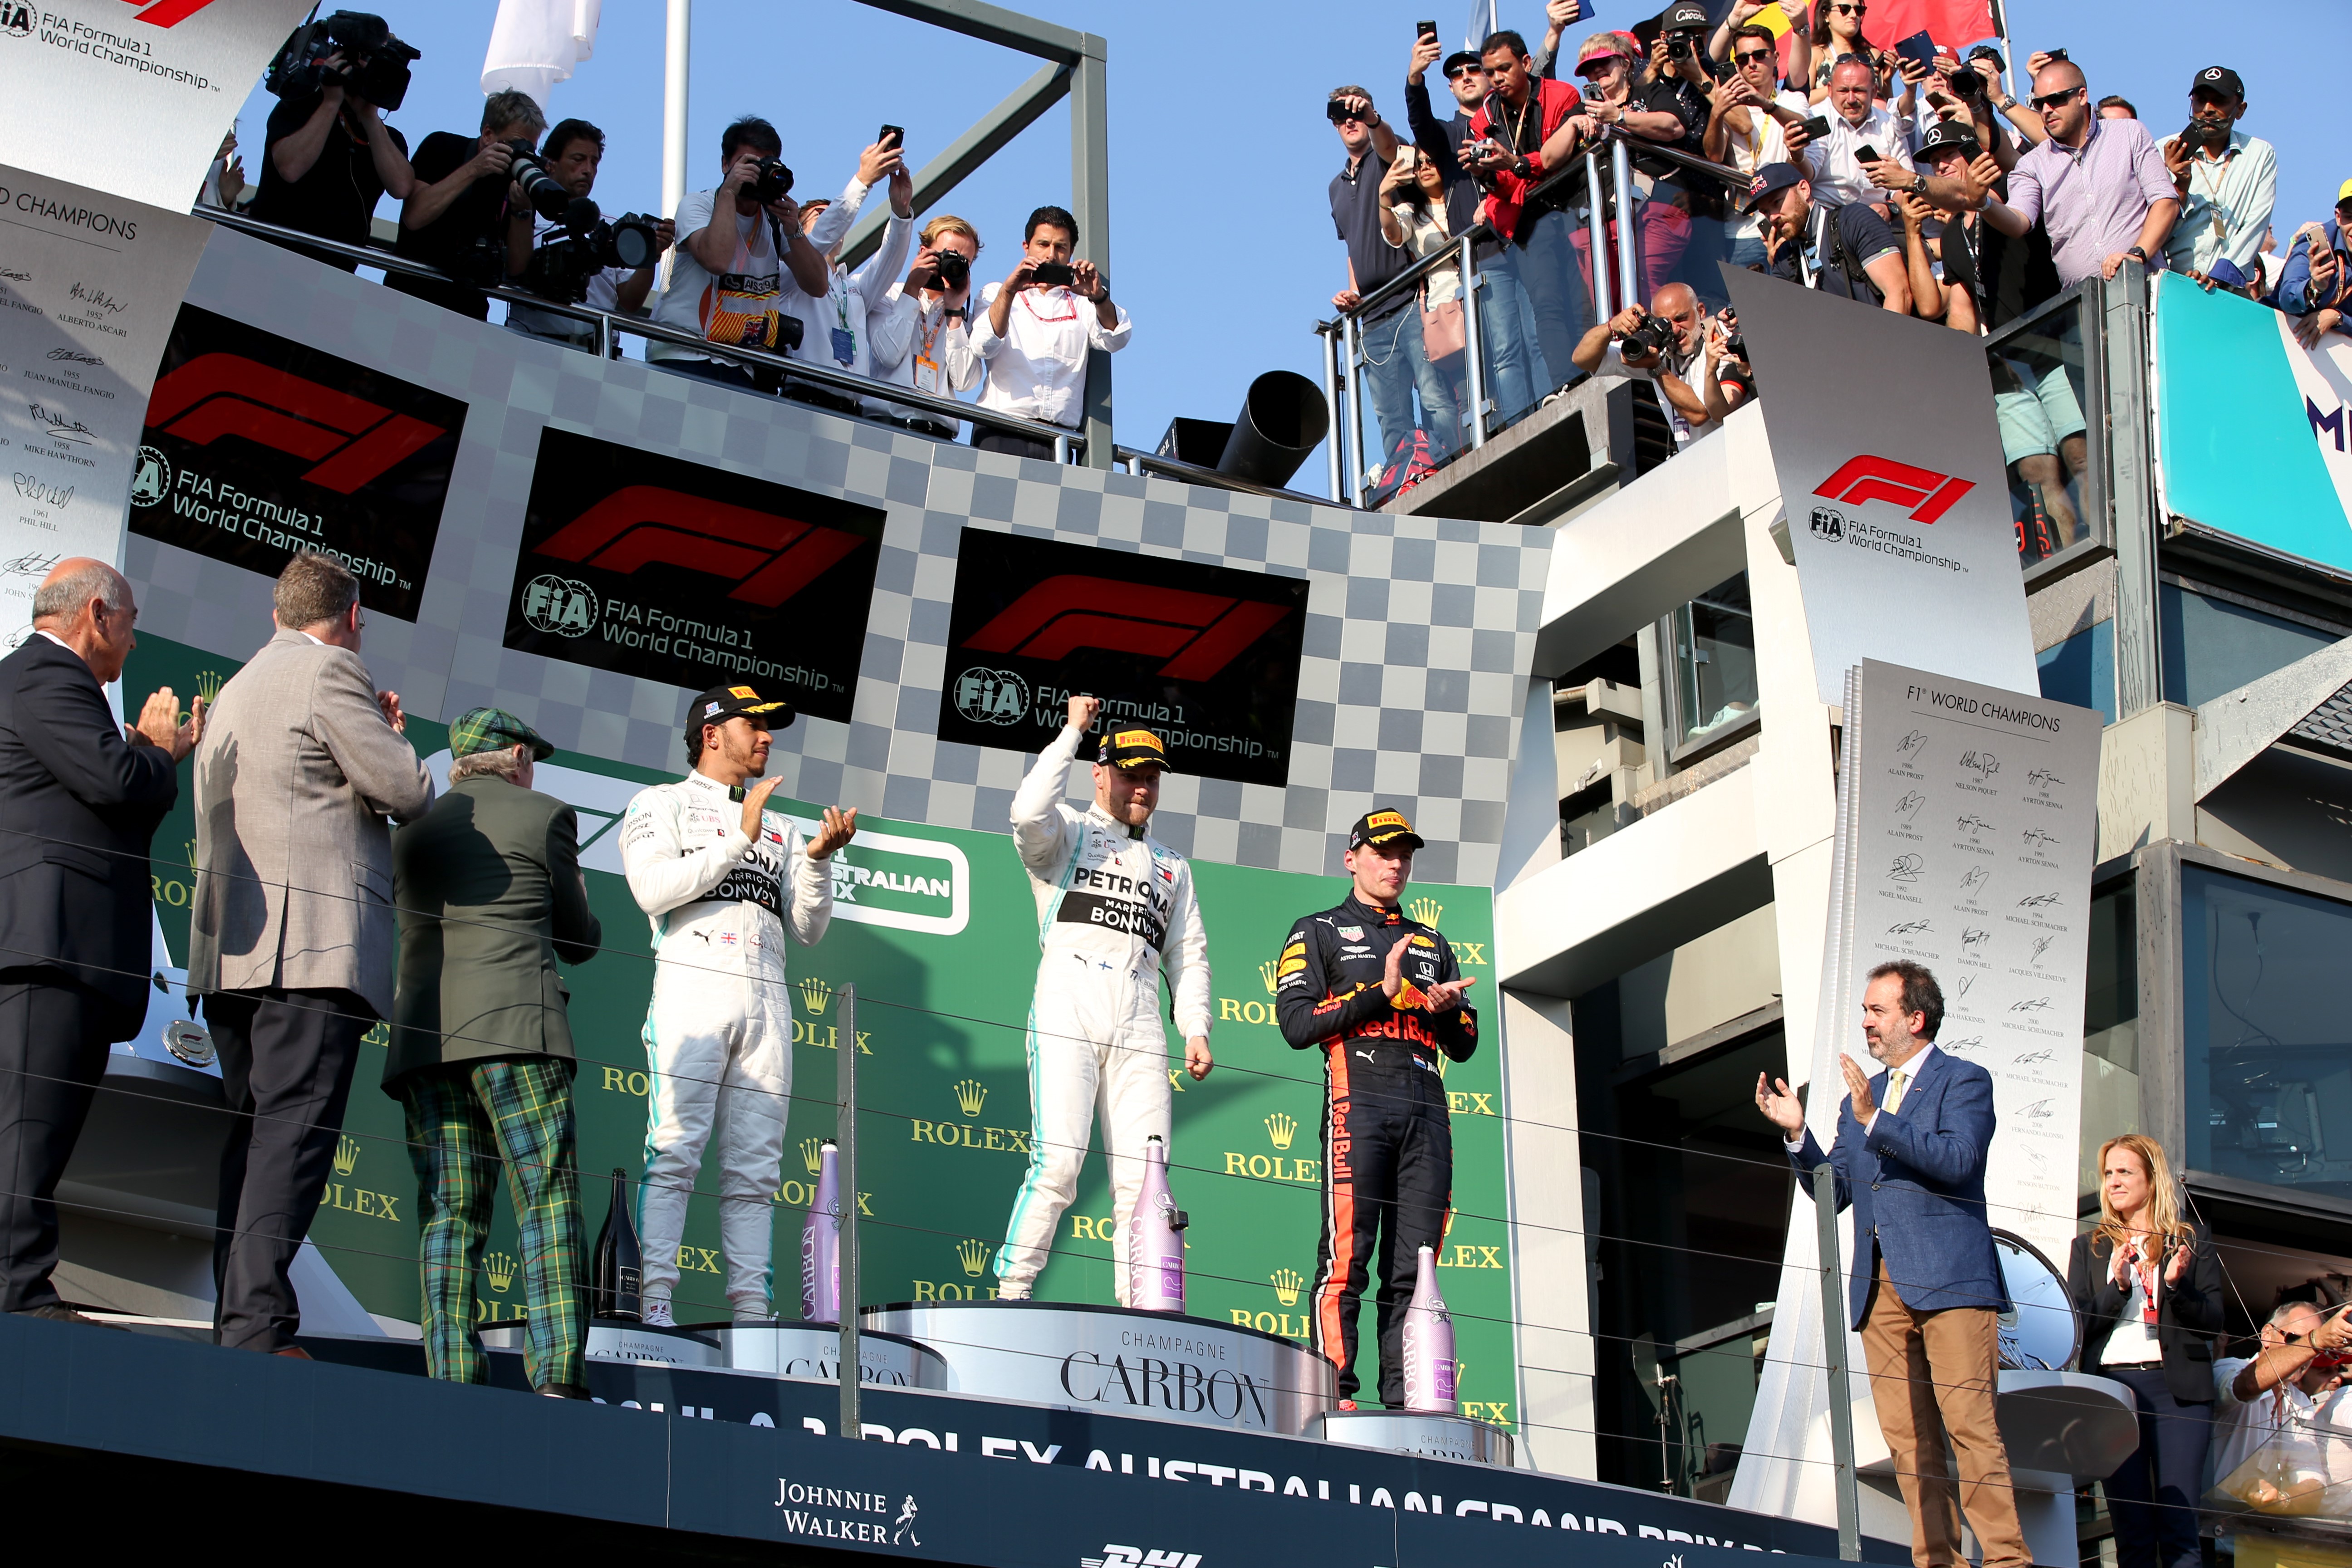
pixel 1780 1106
pixel 1857 1088
pixel 840 827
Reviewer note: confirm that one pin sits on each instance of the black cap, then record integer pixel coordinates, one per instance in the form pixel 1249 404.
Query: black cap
pixel 1770 181
pixel 1461 57
pixel 2218 79
pixel 735 700
pixel 1683 15
pixel 1380 826
pixel 1125 749
pixel 1987 52
pixel 1947 136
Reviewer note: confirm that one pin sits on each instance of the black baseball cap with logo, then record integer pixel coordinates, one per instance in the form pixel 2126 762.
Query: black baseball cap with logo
pixel 733 700
pixel 1948 136
pixel 1384 829
pixel 2219 80
pixel 1125 749
pixel 1768 182
pixel 1683 15
pixel 1457 59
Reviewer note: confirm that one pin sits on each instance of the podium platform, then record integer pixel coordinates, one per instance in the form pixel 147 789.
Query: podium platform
pixel 1108 1359
pixel 1428 1434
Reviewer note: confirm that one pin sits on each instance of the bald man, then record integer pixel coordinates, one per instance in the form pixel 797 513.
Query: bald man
pixel 1620 349
pixel 79 798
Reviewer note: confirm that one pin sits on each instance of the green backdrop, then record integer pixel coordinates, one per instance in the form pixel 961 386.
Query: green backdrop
pixel 944 1123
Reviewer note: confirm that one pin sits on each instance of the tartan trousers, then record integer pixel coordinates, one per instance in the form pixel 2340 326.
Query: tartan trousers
pixel 464 1120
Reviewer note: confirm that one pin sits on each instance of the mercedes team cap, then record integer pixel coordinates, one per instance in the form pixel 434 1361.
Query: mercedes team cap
pixel 1125 749
pixel 734 700
pixel 1681 16
pixel 2218 79
pixel 1948 136
pixel 1382 828
pixel 1770 181
pixel 494 729
pixel 1460 58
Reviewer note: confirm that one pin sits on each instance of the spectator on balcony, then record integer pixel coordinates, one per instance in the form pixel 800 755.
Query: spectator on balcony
pixel 1389 338
pixel 1836 167
pixel 328 158
pixel 835 328
pixel 2098 186
pixel 1526 131
pixel 1412 220
pixel 1837 35
pixel 1752 123
pixel 2115 106
pixel 1626 347
pixel 2298 1361
pixel 2316 286
pixel 1661 107
pixel 575 150
pixel 922 336
pixel 2227 181
pixel 454 220
pixel 1723 44
pixel 1037 337
pixel 1543 62
pixel 1846 250
pixel 1513 364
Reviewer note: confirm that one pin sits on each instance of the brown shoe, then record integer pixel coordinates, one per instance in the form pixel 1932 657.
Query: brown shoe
pixel 296 1352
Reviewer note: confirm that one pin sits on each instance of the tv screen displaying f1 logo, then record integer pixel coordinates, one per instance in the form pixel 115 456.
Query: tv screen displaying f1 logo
pixel 1207 656
pixel 666 570
pixel 258 447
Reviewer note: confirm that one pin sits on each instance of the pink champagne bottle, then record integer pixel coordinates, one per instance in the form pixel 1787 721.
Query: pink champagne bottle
pixel 1428 1343
pixel 1155 1240
pixel 821 1244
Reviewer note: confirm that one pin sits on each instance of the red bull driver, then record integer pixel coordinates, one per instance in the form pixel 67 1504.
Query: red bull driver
pixel 1115 910
pixel 723 879
pixel 1382 996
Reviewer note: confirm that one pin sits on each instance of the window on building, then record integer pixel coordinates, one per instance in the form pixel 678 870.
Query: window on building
pixel 1714 663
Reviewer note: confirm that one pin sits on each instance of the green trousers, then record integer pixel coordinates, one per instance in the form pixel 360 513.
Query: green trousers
pixel 464 1120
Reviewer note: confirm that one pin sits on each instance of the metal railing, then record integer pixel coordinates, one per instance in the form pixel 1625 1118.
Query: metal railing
pixel 608 326
pixel 1342 337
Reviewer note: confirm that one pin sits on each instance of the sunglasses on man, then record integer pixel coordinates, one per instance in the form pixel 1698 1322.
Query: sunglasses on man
pixel 2049 101
pixel 1458 72
pixel 1751 57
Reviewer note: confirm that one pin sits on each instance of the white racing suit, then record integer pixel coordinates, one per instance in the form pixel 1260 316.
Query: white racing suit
pixel 1115 908
pixel 719 1034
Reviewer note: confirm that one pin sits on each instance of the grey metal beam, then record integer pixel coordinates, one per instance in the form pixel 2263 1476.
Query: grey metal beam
pixel 988 136
pixel 1090 205
pixel 994 25
pixel 2131 489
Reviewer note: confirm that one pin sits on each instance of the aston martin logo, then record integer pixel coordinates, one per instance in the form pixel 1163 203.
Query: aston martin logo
pixel 1282 1128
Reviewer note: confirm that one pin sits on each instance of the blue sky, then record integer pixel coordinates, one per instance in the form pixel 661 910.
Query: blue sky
pixel 1221 244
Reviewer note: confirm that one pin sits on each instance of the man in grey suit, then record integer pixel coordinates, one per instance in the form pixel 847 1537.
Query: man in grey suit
pixel 292 924
pixel 490 892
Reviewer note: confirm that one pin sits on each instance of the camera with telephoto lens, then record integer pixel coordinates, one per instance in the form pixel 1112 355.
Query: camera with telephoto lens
pixel 543 191
pixel 774 181
pixel 563 264
pixel 1652 337
pixel 375 63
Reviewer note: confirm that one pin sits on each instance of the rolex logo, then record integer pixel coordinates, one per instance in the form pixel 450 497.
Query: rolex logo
pixel 208 685
pixel 501 1270
pixel 379 1035
pixel 1264 971
pixel 1287 1284
pixel 191 847
pixel 347 1154
pixel 814 994
pixel 972 1252
pixel 1281 1129
pixel 971 1095
pixel 1426 910
pixel 813 1155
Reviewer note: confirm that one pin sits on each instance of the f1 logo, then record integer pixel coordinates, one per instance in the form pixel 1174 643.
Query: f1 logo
pixel 168 12
pixel 767 557
pixel 1927 494
pixel 348 440
pixel 1197 634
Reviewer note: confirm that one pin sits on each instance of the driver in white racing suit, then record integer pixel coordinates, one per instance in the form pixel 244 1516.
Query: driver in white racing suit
pixel 722 880
pixel 1115 908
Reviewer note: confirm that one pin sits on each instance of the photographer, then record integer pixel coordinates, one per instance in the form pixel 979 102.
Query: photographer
pixel 834 319
pixel 1845 250
pixel 328 155
pixel 544 255
pixel 2227 180
pixel 734 246
pixel 1036 329
pixel 455 217
pixel 1659 346
pixel 922 334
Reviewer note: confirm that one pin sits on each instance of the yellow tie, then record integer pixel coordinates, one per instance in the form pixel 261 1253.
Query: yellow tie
pixel 1895 1081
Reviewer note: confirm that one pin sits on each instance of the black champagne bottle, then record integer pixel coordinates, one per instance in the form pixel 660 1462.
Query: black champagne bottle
pixel 618 1272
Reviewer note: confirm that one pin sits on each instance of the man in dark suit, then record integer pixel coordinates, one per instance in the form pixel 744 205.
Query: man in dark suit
pixel 490 892
pixel 79 798
pixel 1925 1286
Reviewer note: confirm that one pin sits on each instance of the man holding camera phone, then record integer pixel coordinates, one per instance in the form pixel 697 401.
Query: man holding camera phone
pixel 922 334
pixel 834 321
pixel 735 244
pixel 1037 331
pixel 329 157
pixel 455 217
pixel 2228 181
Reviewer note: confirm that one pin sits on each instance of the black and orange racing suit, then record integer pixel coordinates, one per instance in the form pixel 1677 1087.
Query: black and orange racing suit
pixel 1388 1152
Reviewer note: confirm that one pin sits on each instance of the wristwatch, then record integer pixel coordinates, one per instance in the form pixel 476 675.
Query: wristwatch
pixel 2136 254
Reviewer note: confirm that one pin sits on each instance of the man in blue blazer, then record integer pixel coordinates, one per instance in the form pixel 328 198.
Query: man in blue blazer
pixel 1925 1286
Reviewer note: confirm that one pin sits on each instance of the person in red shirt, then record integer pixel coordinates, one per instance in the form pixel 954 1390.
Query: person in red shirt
pixel 1526 131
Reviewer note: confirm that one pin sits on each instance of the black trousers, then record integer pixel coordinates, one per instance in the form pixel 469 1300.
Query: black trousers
pixel 53 1041
pixel 1004 441
pixel 1388 1174
pixel 285 1060
pixel 2153 1494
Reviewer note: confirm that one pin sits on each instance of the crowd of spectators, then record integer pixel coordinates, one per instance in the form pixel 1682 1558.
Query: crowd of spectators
pixel 1908 179
pixel 751 264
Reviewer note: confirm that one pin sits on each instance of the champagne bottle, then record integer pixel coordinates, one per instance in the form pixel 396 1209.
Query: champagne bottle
pixel 1155 1240
pixel 821 1243
pixel 1428 1343
pixel 617 1274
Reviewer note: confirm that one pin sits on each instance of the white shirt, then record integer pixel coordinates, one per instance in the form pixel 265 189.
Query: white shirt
pixel 1612 367
pixel 1424 236
pixel 1765 142
pixel 2243 1427
pixel 1836 174
pixel 692 293
pixel 840 320
pixel 1037 370
pixel 908 332
pixel 2134 1340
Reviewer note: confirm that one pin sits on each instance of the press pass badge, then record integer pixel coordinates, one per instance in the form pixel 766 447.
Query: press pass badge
pixel 844 347
pixel 927 375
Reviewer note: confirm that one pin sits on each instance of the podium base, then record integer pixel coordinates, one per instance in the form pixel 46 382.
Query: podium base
pixel 1152 1364
pixel 1425 1432
pixel 790 1348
